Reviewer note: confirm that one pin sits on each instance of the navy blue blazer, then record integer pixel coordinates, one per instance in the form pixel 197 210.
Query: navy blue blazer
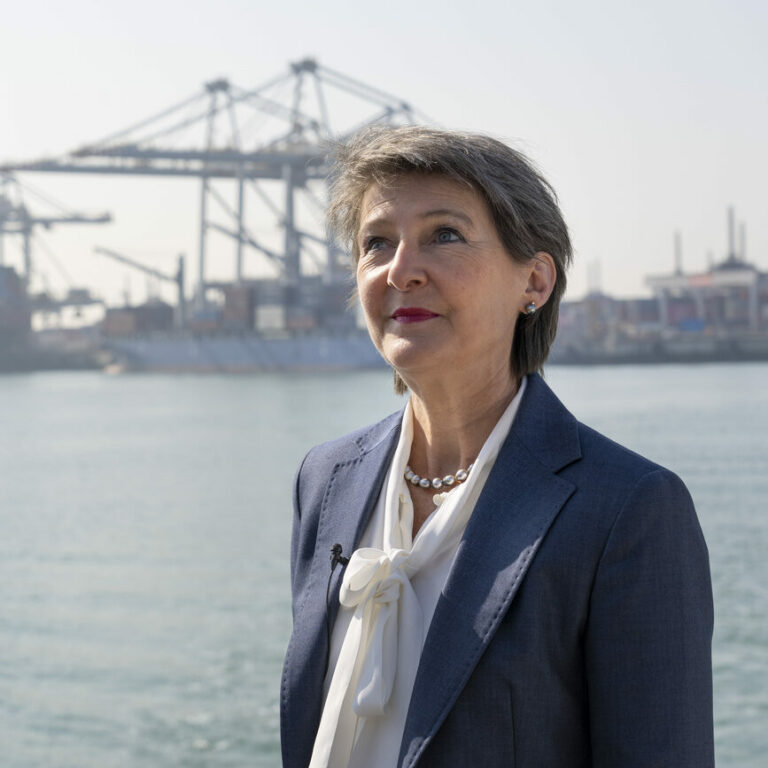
pixel 574 628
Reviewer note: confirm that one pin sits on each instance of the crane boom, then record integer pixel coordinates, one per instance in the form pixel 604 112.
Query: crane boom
pixel 135 264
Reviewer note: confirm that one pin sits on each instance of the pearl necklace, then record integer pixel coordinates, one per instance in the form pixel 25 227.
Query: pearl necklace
pixel 438 482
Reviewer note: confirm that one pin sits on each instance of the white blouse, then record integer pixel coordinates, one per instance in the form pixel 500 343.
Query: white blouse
pixel 389 592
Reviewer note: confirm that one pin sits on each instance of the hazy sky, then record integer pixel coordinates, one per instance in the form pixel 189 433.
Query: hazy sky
pixel 647 116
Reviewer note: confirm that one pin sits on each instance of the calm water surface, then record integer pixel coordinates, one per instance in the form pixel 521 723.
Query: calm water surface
pixel 144 550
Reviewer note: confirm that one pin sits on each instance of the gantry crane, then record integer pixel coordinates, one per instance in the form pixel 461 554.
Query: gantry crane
pixel 16 219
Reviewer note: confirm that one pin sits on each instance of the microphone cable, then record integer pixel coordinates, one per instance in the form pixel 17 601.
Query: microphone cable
pixel 336 558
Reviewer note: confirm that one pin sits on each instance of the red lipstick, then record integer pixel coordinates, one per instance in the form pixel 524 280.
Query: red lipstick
pixel 412 315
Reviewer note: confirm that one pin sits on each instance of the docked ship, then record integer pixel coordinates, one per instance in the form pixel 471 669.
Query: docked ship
pixel 718 315
pixel 258 326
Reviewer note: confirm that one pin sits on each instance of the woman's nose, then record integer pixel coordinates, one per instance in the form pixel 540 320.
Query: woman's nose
pixel 406 270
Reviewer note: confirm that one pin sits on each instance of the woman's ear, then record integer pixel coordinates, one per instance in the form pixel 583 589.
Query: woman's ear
pixel 541 279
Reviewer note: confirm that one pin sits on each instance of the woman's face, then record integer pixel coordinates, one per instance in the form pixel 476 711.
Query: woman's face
pixel 440 294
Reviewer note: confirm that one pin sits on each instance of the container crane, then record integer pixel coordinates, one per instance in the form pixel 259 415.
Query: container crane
pixel 16 219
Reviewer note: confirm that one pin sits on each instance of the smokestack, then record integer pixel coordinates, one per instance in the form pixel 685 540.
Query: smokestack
pixel 731 236
pixel 678 253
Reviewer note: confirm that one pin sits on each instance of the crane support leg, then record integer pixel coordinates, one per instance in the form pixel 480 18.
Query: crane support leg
pixel 27 257
pixel 240 232
pixel 292 266
pixel 203 230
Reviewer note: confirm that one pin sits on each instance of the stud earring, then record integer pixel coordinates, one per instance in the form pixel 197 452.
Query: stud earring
pixel 530 309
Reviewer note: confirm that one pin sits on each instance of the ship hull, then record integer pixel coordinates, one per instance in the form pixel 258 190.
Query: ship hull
pixel 28 357
pixel 242 353
pixel 678 349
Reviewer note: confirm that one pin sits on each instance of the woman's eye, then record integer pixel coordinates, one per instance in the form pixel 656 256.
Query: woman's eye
pixel 448 236
pixel 373 244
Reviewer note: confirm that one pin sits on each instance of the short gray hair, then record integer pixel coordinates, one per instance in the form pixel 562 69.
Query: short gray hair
pixel 522 203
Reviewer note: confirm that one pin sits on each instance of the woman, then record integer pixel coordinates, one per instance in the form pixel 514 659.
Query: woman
pixel 520 590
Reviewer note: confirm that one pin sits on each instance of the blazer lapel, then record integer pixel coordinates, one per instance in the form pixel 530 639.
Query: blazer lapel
pixel 521 498
pixel 350 497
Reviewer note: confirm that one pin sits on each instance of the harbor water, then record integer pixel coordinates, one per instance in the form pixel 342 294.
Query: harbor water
pixel 144 551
